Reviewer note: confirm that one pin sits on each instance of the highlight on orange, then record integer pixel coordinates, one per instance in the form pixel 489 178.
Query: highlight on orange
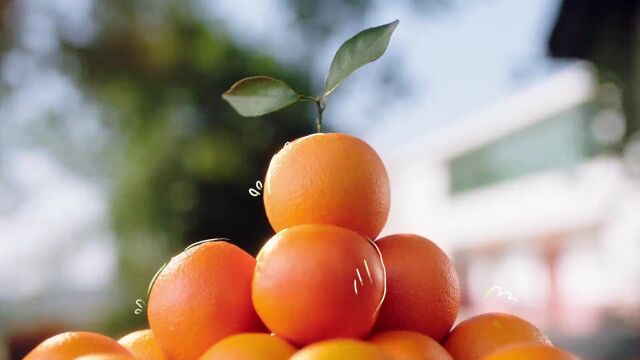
pixel 316 282
pixel 70 345
pixel 423 290
pixel 335 179
pixel 202 296
pixel 409 345
pixel 341 349
pixel 250 346
pixel 142 345
pixel 527 351
pixel 480 335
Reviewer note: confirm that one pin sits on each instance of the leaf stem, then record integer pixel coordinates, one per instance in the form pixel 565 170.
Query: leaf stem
pixel 320 105
pixel 307 98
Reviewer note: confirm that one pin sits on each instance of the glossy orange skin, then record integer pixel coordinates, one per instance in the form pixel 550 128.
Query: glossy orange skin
pixel 202 296
pixel 480 335
pixel 409 345
pixel 423 290
pixel 250 346
pixel 106 357
pixel 334 179
pixel 338 349
pixel 305 284
pixel 142 345
pixel 70 345
pixel 530 352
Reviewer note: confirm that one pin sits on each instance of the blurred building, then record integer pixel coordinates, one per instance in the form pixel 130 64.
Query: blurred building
pixel 531 195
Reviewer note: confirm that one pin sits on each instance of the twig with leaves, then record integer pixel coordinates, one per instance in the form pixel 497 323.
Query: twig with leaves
pixel 260 95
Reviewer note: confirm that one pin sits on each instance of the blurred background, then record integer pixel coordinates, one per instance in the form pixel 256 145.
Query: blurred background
pixel 510 130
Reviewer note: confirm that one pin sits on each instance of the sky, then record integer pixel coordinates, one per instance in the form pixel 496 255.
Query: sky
pixel 451 63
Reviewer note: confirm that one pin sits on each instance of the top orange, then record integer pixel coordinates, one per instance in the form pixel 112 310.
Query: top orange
pixel 334 179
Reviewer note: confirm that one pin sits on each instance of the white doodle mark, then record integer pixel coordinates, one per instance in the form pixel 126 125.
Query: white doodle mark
pixel 500 293
pixel 140 307
pixel 205 241
pixel 253 192
pixel 366 266
pixel 359 279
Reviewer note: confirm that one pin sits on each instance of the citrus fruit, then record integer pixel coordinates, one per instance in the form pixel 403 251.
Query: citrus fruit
pixel 409 345
pixel 203 295
pixel 480 335
pixel 315 282
pixel 528 351
pixel 70 345
pixel 142 345
pixel 333 179
pixel 423 292
pixel 337 349
pixel 250 346
pixel 106 357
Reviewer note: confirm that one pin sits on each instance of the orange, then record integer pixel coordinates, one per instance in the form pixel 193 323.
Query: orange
pixel 202 296
pixel 333 179
pixel 105 357
pixel 423 292
pixel 142 345
pixel 530 352
pixel 480 335
pixel 250 346
pixel 316 282
pixel 70 345
pixel 409 345
pixel 338 349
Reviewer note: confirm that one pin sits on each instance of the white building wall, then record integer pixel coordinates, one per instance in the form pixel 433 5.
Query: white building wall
pixel 599 268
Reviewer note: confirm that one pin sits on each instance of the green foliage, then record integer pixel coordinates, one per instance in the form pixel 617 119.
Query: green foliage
pixel 259 95
pixel 184 159
pixel 363 48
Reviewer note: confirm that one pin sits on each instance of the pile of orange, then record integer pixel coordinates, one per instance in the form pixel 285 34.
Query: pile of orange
pixel 320 288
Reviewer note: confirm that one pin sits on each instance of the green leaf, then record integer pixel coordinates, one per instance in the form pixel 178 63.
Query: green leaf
pixel 365 47
pixel 259 95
